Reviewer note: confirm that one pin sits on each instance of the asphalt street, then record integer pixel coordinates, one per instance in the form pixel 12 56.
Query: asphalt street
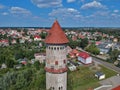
pixel 106 64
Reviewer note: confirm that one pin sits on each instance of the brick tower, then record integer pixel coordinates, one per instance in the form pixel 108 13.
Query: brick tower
pixel 56 69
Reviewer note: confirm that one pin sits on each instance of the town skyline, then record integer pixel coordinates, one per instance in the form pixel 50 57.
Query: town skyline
pixel 69 13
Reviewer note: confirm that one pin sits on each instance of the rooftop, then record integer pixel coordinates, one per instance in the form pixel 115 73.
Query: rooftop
pixel 84 55
pixel 56 35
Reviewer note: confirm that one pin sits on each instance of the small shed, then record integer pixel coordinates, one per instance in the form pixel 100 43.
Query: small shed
pixel 72 68
pixel 100 75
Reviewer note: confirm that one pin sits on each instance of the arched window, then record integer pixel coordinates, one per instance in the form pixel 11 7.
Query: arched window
pixel 60 48
pixel 52 48
pixel 52 88
pixel 61 88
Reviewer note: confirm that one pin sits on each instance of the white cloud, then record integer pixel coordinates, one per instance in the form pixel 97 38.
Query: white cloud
pixel 69 1
pixel 4 13
pixel 116 11
pixel 93 4
pixel 65 13
pixel 99 14
pixel 19 10
pixel 1 6
pixel 115 15
pixel 47 3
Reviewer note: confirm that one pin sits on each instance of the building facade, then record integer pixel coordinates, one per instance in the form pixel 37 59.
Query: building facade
pixel 85 58
pixel 56 61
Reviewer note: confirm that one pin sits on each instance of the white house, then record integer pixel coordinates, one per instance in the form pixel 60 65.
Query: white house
pixel 85 58
pixel 39 57
pixel 37 38
pixel 118 57
pixel 100 75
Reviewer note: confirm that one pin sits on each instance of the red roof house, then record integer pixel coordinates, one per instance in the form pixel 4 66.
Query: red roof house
pixel 98 42
pixel 85 58
pixel 37 38
pixel 23 62
pixel 4 42
pixel 74 53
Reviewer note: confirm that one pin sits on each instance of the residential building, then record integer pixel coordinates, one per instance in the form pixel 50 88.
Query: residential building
pixel 85 58
pixel 40 57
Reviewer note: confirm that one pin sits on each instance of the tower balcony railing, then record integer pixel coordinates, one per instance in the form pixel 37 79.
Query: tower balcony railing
pixel 56 71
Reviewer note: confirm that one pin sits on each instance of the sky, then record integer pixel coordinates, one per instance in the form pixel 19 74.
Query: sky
pixel 69 13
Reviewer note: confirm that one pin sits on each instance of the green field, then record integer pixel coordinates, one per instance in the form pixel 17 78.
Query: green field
pixel 84 79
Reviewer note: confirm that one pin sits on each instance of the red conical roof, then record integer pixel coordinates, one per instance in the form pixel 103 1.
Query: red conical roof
pixel 56 35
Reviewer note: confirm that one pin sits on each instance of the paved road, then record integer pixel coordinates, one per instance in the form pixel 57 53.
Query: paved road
pixel 108 65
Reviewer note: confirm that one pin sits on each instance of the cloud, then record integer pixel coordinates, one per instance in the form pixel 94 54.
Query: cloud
pixel 101 14
pixel 116 11
pixel 69 1
pixel 1 6
pixel 93 4
pixel 47 3
pixel 19 11
pixel 4 13
pixel 66 12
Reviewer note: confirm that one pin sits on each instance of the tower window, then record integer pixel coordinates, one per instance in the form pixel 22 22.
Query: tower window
pixel 64 61
pixel 56 62
pixel 57 48
pixel 52 88
pixel 54 48
pixel 60 48
pixel 61 88
pixel 49 47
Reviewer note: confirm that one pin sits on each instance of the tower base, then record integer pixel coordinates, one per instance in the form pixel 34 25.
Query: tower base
pixel 56 81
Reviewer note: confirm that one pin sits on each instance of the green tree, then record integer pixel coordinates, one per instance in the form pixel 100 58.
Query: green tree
pixel 37 65
pixel 43 35
pixel 84 43
pixel 93 49
pixel 99 38
pixel 113 55
pixel 73 44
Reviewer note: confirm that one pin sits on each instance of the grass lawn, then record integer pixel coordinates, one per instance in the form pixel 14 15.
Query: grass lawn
pixel 108 72
pixel 84 79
